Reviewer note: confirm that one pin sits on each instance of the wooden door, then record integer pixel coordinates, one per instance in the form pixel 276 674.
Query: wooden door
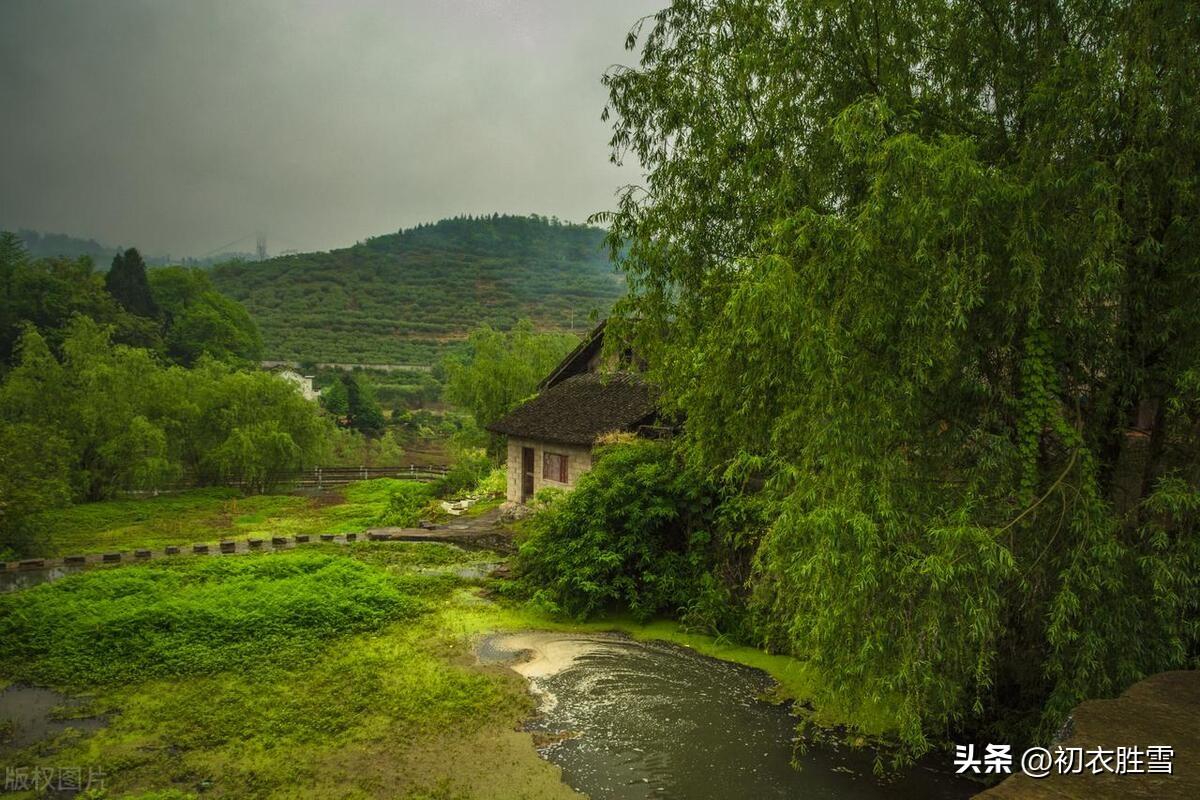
pixel 526 473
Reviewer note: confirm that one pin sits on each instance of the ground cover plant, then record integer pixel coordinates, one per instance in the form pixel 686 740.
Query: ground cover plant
pixel 325 672
pixel 209 515
pixel 190 616
pixel 926 273
pixel 180 518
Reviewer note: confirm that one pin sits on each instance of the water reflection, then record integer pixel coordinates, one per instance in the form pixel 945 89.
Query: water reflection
pixel 13 579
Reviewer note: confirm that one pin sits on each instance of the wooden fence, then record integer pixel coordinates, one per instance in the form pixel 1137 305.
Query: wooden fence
pixel 316 478
pixel 326 477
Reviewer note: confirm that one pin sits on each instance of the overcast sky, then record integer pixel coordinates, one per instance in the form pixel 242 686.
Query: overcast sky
pixel 178 127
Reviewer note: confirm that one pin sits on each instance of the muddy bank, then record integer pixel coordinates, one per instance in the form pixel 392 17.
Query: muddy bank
pixel 30 714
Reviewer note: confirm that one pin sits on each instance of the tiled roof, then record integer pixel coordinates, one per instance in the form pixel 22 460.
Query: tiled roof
pixel 581 408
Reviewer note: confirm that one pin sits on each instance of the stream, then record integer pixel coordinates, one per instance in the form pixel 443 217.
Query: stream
pixel 627 720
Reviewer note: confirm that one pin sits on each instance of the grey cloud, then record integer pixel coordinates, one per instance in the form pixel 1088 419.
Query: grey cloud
pixel 177 126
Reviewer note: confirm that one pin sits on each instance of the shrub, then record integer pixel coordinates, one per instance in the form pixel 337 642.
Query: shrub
pixel 496 483
pixel 470 467
pixel 410 501
pixel 632 534
pixel 191 617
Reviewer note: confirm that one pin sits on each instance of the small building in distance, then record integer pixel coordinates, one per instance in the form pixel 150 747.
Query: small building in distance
pixel 550 438
pixel 304 383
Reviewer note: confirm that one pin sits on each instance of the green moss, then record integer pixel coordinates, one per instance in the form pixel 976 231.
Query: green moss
pixel 155 522
pixel 310 673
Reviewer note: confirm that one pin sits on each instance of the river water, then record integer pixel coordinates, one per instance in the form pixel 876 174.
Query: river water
pixel 12 580
pixel 628 720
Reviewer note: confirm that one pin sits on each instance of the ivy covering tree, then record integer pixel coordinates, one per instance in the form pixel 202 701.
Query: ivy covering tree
pixel 928 272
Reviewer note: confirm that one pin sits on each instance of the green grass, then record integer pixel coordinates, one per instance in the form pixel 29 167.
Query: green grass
pixel 309 673
pixel 192 616
pixel 208 515
pixel 324 672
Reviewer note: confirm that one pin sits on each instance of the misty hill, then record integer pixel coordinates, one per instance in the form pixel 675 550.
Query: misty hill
pixel 55 245
pixel 405 297
pixel 62 245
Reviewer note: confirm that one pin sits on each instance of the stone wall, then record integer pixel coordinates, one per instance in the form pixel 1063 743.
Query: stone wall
pixel 579 461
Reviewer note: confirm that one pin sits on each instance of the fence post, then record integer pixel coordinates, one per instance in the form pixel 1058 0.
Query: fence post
pixel 320 484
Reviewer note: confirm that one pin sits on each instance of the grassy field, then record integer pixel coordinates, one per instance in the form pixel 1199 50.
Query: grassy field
pixel 327 672
pixel 209 515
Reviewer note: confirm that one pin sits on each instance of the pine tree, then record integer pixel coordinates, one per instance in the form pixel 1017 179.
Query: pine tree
pixel 365 415
pixel 127 283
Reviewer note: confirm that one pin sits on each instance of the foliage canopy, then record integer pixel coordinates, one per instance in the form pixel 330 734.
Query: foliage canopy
pixel 500 369
pixel 102 418
pixel 930 271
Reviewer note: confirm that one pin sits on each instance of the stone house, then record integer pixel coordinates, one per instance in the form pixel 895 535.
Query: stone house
pixel 303 383
pixel 550 438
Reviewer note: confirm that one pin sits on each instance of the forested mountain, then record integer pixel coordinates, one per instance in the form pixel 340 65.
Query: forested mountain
pixel 405 297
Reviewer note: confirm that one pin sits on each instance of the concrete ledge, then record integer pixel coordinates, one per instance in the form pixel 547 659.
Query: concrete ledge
pixel 254 542
pixel 75 559
pixel 326 537
pixel 1160 710
pixel 172 550
pixel 142 553
pixel 199 548
pixel 31 563
pixel 301 538
pixel 109 558
pixel 228 547
pixel 350 537
pixel 277 540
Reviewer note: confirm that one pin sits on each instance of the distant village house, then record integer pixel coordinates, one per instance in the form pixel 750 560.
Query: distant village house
pixel 304 383
pixel 550 438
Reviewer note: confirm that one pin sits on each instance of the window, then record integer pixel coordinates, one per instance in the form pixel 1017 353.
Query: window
pixel 554 467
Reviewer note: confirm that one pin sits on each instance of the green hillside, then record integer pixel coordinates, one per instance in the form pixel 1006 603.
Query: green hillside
pixel 405 297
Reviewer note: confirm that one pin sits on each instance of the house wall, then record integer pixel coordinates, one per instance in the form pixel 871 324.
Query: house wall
pixel 579 461
pixel 303 383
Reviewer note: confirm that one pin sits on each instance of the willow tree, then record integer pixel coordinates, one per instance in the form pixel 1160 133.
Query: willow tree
pixel 931 269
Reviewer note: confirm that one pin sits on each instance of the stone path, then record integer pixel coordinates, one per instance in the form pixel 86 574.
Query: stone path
pixel 480 532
